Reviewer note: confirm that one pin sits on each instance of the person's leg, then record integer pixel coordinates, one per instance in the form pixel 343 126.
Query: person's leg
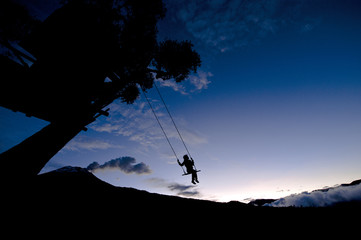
pixel 196 177
pixel 193 177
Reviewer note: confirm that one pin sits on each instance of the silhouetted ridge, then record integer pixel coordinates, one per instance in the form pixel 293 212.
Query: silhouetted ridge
pixel 260 202
pixel 72 194
pixel 71 178
pixel 77 186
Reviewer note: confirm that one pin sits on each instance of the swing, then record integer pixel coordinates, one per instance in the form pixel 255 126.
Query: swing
pixel 184 174
pixel 160 125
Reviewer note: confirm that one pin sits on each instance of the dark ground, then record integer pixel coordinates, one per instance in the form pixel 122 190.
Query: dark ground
pixel 59 202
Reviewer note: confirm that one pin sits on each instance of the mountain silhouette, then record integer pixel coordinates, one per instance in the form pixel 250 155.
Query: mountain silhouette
pixel 72 198
pixel 75 185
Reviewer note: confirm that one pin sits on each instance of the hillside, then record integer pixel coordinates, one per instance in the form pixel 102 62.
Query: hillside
pixel 75 185
pixel 72 197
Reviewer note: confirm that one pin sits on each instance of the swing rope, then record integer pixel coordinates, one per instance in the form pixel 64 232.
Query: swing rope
pixel 161 127
pixel 165 105
pixel 180 135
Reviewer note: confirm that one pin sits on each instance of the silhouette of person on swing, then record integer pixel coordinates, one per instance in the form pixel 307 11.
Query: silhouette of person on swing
pixel 189 163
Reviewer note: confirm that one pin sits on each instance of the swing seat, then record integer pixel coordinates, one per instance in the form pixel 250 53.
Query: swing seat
pixel 184 174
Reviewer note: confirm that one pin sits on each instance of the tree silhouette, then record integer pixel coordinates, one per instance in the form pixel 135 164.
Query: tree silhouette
pixel 88 53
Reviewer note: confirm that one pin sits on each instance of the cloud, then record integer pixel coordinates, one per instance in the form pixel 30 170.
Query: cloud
pixel 194 83
pixel 178 189
pixel 201 81
pixel 125 164
pixel 137 123
pixel 227 24
pixel 310 25
pixel 177 87
pixel 321 198
pixel 82 143
pixel 184 190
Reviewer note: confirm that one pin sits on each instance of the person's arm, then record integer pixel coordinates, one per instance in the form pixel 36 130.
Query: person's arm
pixel 180 164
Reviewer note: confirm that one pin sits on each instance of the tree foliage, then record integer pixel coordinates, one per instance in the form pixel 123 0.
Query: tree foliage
pixel 91 52
pixel 176 60
pixel 87 54
pixel 15 21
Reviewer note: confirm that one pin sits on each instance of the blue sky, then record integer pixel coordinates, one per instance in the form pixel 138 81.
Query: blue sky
pixel 275 108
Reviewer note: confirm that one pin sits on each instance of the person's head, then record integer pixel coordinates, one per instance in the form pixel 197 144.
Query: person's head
pixel 185 157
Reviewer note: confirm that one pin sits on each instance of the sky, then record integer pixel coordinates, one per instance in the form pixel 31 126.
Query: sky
pixel 275 108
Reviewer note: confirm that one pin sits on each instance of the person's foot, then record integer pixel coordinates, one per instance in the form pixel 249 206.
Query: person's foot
pixel 197 181
pixel 193 182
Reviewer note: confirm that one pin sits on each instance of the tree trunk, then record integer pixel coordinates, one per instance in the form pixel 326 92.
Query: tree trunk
pixel 28 157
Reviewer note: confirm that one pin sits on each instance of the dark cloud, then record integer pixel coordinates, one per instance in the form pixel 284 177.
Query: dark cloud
pixel 178 189
pixel 125 164
pixel 235 23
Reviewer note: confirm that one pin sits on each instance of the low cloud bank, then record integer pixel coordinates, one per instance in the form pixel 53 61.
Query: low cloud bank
pixel 320 198
pixel 178 189
pixel 125 164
